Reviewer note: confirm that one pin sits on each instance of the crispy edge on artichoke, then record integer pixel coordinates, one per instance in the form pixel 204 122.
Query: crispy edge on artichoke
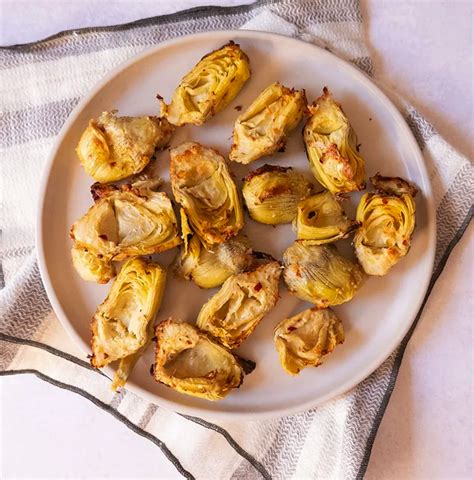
pixel 122 326
pixel 263 128
pixel 271 194
pixel 112 148
pixel 331 147
pixel 233 313
pixel 211 267
pixel 209 87
pixel 320 274
pixel 393 185
pixel 304 339
pixel 203 186
pixel 387 222
pixel 321 219
pixel 190 362
pixel 107 231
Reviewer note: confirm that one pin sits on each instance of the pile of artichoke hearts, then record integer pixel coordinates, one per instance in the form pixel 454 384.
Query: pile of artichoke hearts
pixel 134 219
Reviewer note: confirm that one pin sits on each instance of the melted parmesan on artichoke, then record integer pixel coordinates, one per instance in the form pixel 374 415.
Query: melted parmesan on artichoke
pixel 303 340
pixel 210 86
pixel 263 128
pixel 123 323
pixel 272 194
pixel 232 314
pixel 190 362
pixel 203 185
pixel 112 148
pixel 331 147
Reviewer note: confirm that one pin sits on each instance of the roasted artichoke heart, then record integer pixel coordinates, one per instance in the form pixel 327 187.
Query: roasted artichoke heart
pixel 210 268
pixel 320 274
pixel 262 129
pixel 272 194
pixel 232 314
pixel 303 340
pixel 123 323
pixel 112 148
pixel 188 361
pixel 123 223
pixel 331 147
pixel 211 85
pixel 202 184
pixel 321 219
pixel 387 221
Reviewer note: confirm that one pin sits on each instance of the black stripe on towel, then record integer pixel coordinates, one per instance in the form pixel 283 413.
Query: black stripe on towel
pixel 398 360
pixel 211 426
pixel 107 408
pixel 230 440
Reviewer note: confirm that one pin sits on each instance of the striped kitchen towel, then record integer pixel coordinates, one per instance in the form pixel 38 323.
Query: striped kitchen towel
pixel 40 84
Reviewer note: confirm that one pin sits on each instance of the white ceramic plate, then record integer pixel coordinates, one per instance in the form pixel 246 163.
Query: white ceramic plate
pixel 375 320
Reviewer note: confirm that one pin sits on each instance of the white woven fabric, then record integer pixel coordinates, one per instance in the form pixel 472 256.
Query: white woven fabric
pixel 40 84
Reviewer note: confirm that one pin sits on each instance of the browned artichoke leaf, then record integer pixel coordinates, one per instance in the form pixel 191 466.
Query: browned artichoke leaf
pixel 304 339
pixel 233 313
pixel 123 223
pixel 190 362
pixel 112 148
pixel 203 186
pixel 331 147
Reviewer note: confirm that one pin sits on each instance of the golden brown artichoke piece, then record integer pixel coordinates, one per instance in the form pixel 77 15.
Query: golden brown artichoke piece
pixel 210 86
pixel 272 194
pixel 123 324
pixel 321 219
pixel 190 362
pixel 210 267
pixel 331 147
pixel 263 128
pixel 232 314
pixel 320 274
pixel 387 221
pixel 112 148
pixel 202 184
pixel 303 340
pixel 130 221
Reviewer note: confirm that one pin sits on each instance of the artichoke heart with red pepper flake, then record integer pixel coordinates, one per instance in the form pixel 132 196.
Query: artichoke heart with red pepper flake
pixel 233 313
pixel 331 147
pixel 387 221
pixel 321 219
pixel 264 127
pixel 124 222
pixel 190 362
pixel 209 87
pixel 112 148
pixel 304 339
pixel 272 193
pixel 203 186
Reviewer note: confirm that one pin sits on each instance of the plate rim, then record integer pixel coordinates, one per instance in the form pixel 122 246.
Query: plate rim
pixel 219 414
